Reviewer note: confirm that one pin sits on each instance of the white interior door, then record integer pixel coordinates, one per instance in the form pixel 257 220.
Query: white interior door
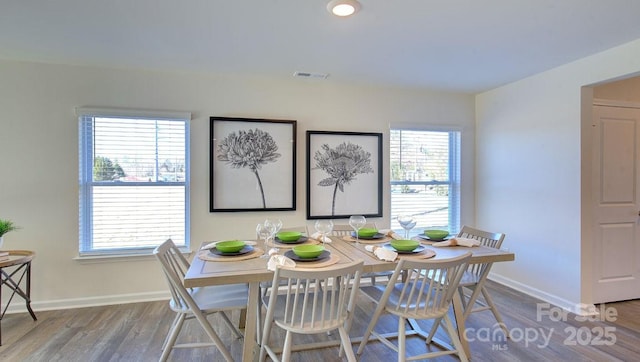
pixel 616 187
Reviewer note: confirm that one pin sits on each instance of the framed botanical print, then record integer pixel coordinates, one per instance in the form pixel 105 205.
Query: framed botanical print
pixel 344 174
pixel 252 164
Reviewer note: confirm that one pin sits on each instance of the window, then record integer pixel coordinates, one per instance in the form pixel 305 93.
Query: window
pixel 425 178
pixel 134 180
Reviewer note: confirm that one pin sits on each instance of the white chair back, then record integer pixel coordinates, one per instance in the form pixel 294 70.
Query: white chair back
pixel 175 266
pixel 312 301
pixel 492 240
pixel 346 229
pixel 428 288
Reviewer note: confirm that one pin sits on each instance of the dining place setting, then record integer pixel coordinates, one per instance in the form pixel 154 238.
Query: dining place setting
pixel 442 238
pixel 300 252
pixel 230 250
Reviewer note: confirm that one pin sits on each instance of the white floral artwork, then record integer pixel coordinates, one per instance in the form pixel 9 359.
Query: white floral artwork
pixel 252 164
pixel 343 174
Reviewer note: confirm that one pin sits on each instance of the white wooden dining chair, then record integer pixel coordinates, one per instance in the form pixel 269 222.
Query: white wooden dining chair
pixel 472 284
pixel 304 308
pixel 265 287
pixel 197 303
pixel 425 292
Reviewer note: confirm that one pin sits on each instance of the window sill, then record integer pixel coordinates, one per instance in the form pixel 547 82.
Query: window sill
pixel 117 258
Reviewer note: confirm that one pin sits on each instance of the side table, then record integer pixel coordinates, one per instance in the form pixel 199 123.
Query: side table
pixel 12 272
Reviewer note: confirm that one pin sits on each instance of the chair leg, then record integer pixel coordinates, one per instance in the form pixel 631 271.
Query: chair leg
pixel 242 323
pixel 214 336
pixel 434 328
pixel 402 340
pixel 286 351
pixel 172 336
pixel 175 321
pixel 259 323
pixel 266 331
pixel 471 302
pixel 463 299
pixel 367 334
pixel 226 319
pixel 346 344
pixel 494 310
pixel 453 334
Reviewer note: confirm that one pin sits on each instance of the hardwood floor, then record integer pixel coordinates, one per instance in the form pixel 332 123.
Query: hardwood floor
pixel 135 332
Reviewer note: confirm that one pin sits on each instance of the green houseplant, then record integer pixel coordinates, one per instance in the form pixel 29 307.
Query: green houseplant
pixel 6 226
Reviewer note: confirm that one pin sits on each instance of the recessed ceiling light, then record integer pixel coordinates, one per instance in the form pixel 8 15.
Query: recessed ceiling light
pixel 343 8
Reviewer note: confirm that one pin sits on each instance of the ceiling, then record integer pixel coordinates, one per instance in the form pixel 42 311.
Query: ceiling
pixel 450 45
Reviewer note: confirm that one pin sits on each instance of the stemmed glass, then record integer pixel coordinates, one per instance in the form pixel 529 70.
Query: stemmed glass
pixel 407 222
pixel 264 231
pixel 275 225
pixel 324 227
pixel 357 222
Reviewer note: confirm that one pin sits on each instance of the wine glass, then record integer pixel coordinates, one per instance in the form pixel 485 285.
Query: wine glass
pixel 357 222
pixel 324 227
pixel 407 222
pixel 264 231
pixel 275 225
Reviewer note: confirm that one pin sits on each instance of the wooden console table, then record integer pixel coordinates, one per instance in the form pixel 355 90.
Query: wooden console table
pixel 12 272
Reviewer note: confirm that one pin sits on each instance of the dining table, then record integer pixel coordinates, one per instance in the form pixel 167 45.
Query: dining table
pixel 344 250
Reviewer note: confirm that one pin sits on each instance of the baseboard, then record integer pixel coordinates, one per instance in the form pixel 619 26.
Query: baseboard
pixel 18 305
pixel 581 309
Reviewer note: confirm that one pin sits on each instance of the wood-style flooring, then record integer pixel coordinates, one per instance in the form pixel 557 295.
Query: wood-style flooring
pixel 135 332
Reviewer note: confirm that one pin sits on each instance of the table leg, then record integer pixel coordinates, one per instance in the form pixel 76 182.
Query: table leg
pixel 1 314
pixel 7 279
pixel 458 312
pixel 28 293
pixel 250 351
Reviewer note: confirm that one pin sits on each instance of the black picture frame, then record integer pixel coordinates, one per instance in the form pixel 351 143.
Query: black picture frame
pixel 332 156
pixel 239 182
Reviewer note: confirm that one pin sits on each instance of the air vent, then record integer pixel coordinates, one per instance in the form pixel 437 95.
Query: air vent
pixel 310 75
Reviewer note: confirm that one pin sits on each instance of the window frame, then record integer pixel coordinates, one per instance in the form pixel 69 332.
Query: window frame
pixel 86 183
pixel 454 175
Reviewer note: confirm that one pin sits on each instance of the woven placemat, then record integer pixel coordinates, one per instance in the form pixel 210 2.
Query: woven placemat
pixel 208 256
pixel 367 241
pixel 273 244
pixel 425 254
pixel 333 259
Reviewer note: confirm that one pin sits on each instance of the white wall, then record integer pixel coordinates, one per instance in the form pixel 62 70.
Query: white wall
pixel 39 149
pixel 530 172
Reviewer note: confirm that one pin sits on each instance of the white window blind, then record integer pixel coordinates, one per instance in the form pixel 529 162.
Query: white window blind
pixel 425 174
pixel 134 170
